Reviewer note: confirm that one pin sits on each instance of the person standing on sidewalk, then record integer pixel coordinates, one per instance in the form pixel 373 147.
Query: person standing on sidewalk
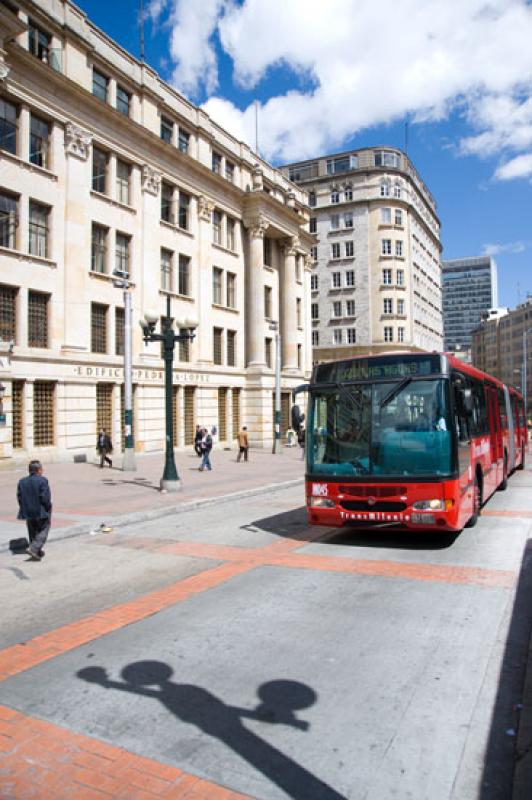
pixel 197 440
pixel 206 447
pixel 35 506
pixel 104 445
pixel 243 444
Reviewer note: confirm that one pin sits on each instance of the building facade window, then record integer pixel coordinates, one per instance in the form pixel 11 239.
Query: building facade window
pixel 98 328
pixel 335 197
pixel 100 85
pixel 167 202
pixel 312 199
pixel 217 346
pixel 8 127
pixel 230 290
pixel 8 313
pixel 39 141
pixel 122 253
pixel 388 333
pixel 231 348
pixel 230 233
pixel 229 171
pixel 351 336
pixel 385 189
pixel 349 249
pixel 167 130
pixel 313 224
pixel 387 305
pixel 350 278
pixel 123 171
pixel 384 158
pixel 336 281
pixel 217 227
pixel 268 302
pixel 299 315
pixel 341 164
pixel 183 283
pixel 217 277
pixel 337 309
pixel 398 216
pixel 397 191
pixel 99 236
pixel 314 311
pixel 350 308
pixel 268 353
pixel 400 306
pixel 335 250
pixel 387 277
pixel 167 260
pixel 337 336
pixel 314 283
pixel 17 401
pixel 123 101
pixel 348 194
pixel 399 248
pixel 39 42
pixel 216 163
pixel 119 331
pixel 183 140
pixel 348 220
pixel 335 222
pixel 315 338
pixel 8 220
pixel 100 161
pixel 184 355
pixel 400 277
pixel 314 252
pixel 38 229
pixel 386 247
pixel 184 204
pixel 386 216
pixel 267 251
pixel 43 414
pixel 400 334
pixel 299 356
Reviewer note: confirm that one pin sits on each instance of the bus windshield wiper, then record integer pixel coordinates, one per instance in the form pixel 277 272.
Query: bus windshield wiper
pixel 394 391
pixel 346 393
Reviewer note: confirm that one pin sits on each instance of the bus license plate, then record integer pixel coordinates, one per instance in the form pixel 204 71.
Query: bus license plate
pixel 424 519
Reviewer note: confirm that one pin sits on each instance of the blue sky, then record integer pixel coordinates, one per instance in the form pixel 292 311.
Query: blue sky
pixel 462 77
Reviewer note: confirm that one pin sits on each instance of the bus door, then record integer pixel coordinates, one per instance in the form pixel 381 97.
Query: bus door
pixel 495 438
pixel 463 438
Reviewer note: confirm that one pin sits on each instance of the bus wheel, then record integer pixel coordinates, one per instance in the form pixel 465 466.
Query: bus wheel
pixel 504 483
pixel 522 464
pixel 477 503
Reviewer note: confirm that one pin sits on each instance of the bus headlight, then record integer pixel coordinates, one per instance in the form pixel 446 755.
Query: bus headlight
pixel 321 502
pixel 433 505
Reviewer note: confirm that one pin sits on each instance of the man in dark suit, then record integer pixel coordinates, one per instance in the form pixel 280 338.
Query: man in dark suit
pixel 104 445
pixel 35 506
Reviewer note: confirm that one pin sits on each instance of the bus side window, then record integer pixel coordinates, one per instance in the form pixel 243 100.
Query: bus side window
pixel 478 422
pixel 502 409
pixel 461 416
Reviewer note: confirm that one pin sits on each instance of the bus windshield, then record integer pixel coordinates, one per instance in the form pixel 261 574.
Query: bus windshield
pixel 393 428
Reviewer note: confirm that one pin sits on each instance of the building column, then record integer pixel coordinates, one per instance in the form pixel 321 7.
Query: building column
pixel 307 324
pixel 289 331
pixel 255 294
pixel 203 290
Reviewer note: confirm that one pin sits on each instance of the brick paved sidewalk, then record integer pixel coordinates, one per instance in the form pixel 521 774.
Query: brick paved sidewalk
pixel 83 493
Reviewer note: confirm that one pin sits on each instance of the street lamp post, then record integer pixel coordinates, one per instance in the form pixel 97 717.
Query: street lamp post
pixel 277 449
pixel 121 281
pixel 170 481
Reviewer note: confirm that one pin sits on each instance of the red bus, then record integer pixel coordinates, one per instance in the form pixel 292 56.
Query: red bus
pixel 412 440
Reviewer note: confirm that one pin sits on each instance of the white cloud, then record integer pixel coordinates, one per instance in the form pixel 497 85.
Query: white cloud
pixel 370 63
pixel 518 167
pixel 509 247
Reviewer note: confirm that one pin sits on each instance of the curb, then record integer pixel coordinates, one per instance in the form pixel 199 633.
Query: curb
pixel 144 516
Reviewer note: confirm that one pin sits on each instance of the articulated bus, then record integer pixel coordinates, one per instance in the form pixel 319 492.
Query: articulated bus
pixel 412 440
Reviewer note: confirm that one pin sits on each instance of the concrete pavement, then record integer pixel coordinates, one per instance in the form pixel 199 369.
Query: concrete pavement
pixel 215 655
pixel 84 496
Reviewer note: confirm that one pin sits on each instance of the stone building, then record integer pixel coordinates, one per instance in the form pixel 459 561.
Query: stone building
pixel 376 272
pixel 105 167
pixel 498 346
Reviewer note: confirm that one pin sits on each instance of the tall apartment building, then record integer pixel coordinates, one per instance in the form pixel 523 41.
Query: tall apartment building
pixel 376 276
pixel 469 292
pixel 104 166
pixel 498 345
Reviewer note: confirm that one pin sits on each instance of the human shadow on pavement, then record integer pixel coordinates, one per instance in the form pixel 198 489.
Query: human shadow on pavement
pixel 279 700
pixel 142 483
pixel 294 524
pixel 505 752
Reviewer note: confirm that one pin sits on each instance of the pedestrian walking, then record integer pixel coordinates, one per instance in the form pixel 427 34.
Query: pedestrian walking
pixel 197 440
pixel 104 445
pixel 243 444
pixel 206 447
pixel 35 506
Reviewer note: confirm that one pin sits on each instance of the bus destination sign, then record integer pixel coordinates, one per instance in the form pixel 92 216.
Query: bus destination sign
pixel 378 368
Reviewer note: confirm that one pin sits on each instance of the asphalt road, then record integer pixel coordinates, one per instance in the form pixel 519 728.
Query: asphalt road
pixel 297 662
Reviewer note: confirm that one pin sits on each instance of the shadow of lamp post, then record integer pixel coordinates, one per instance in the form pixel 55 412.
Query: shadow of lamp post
pixel 170 481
